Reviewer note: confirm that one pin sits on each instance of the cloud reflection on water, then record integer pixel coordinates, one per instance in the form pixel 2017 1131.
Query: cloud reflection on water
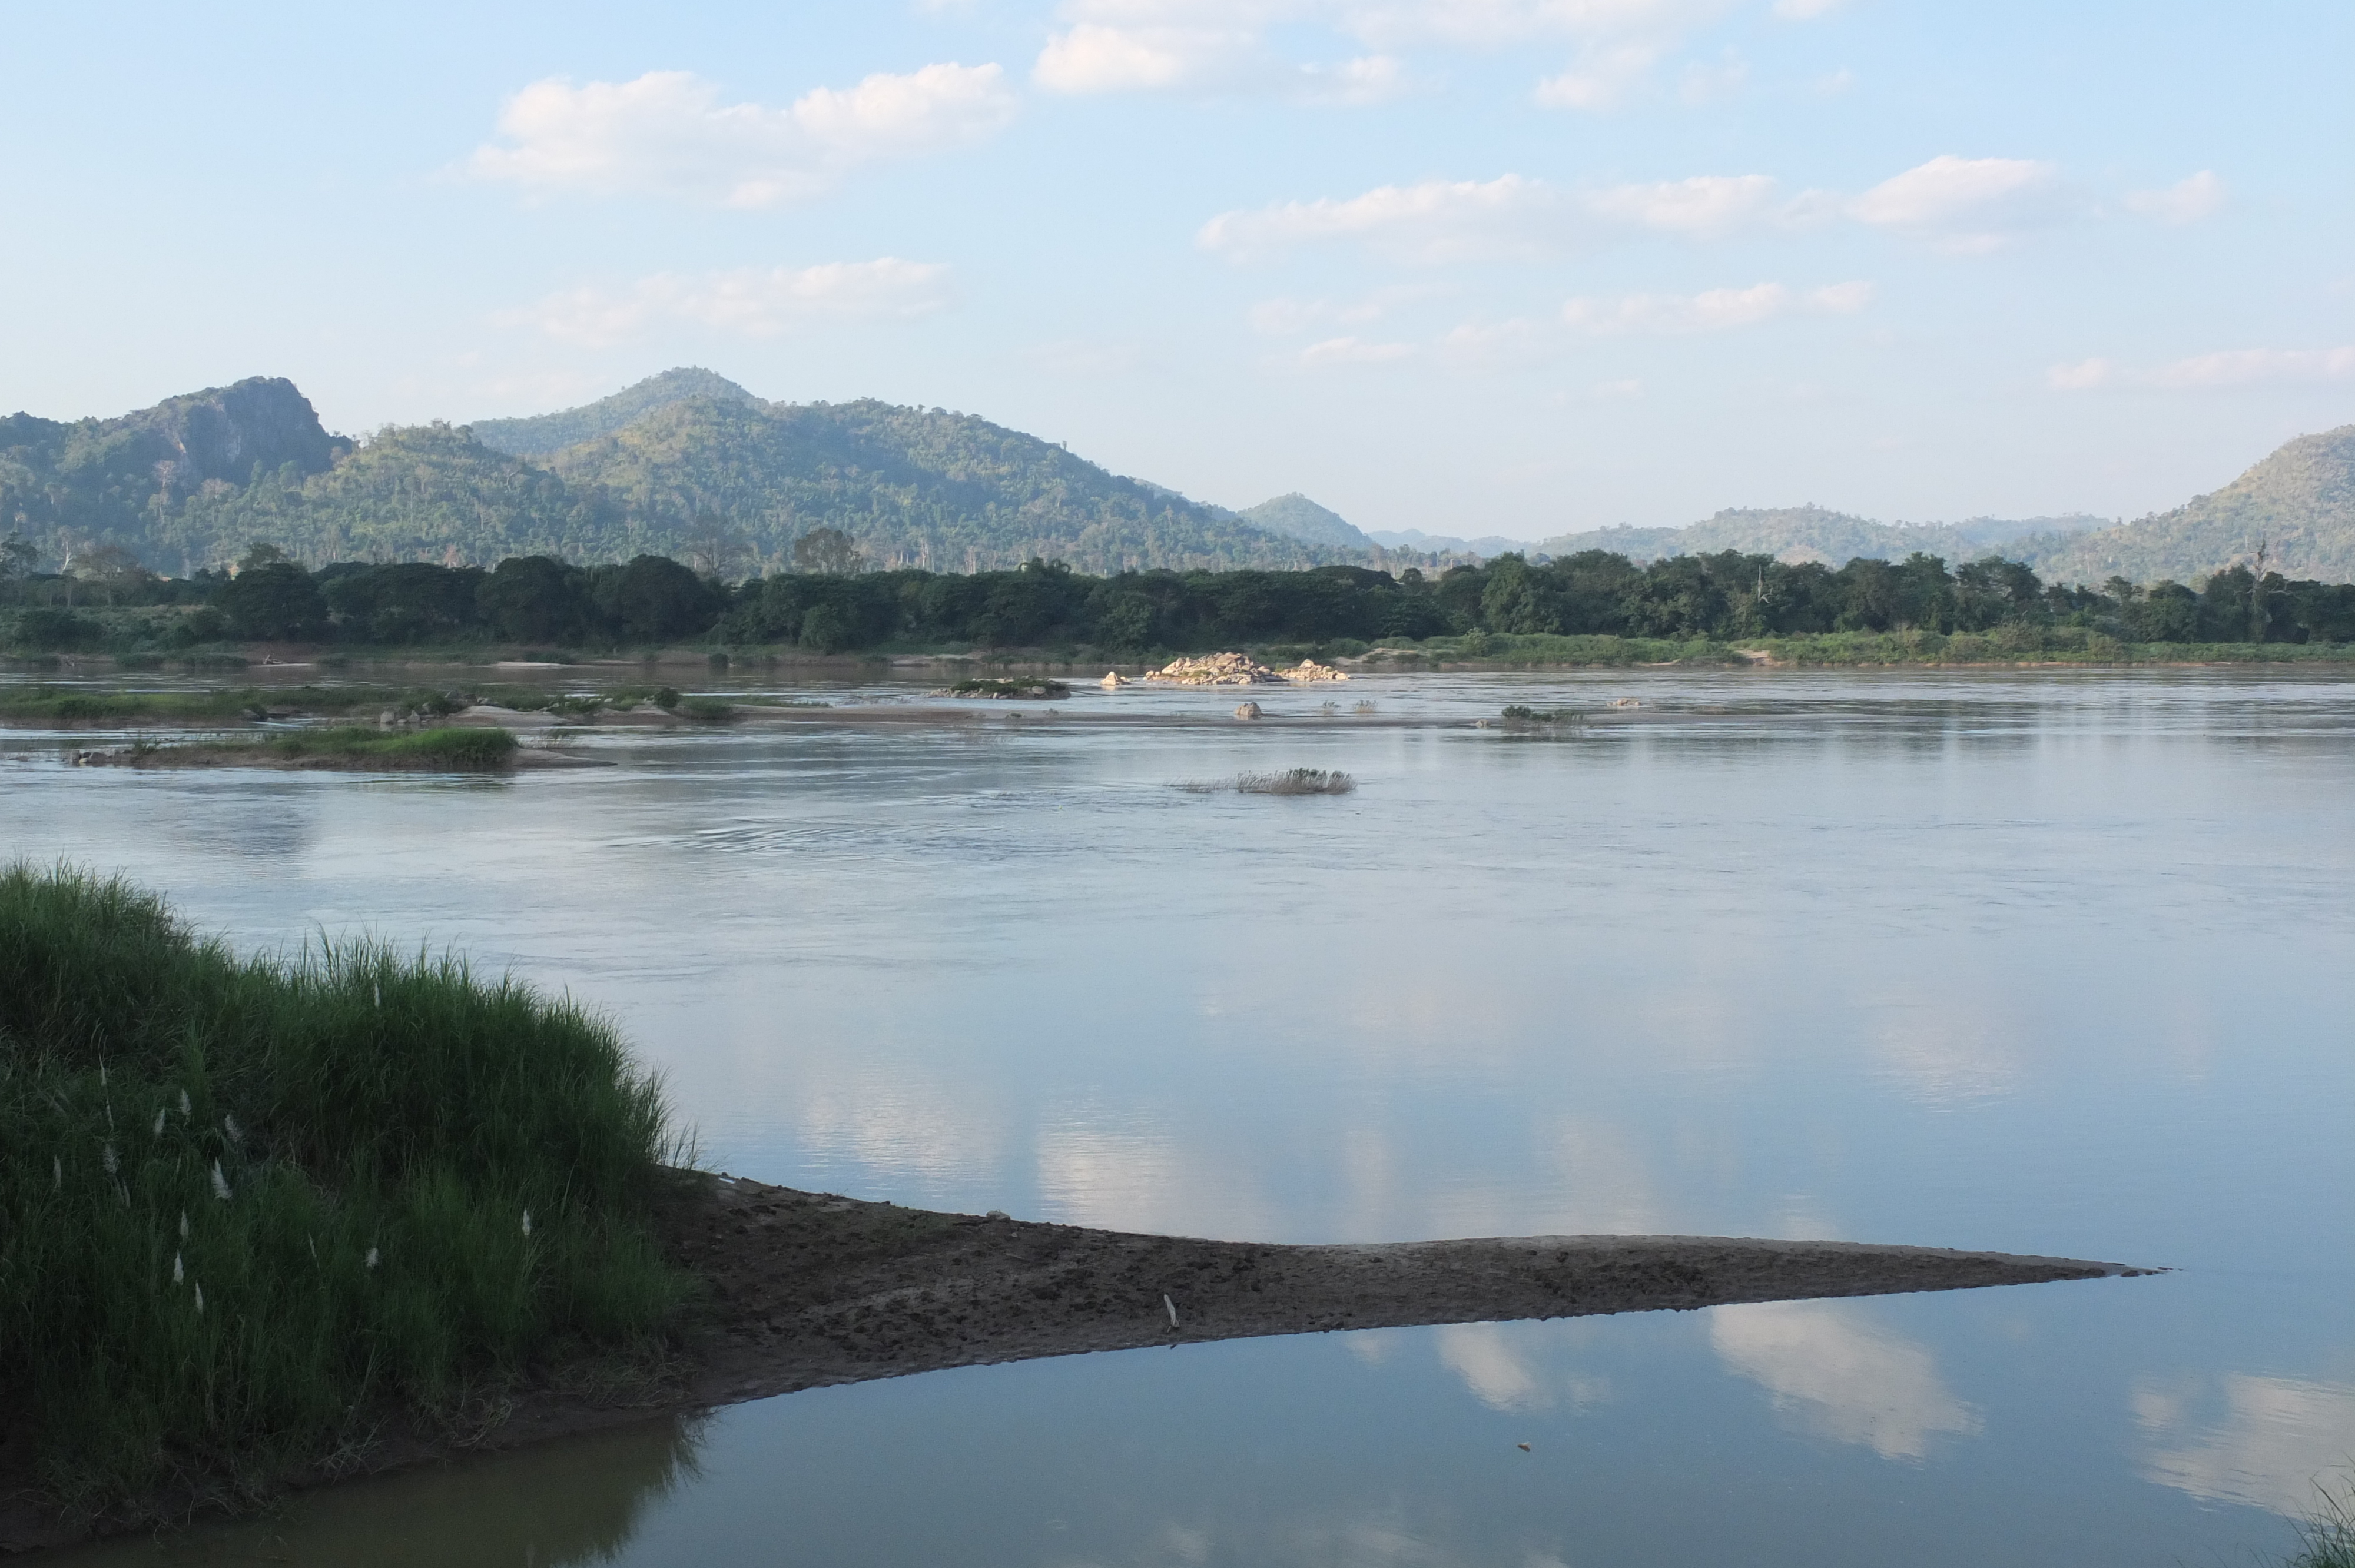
pixel 2277 1436
pixel 1833 1371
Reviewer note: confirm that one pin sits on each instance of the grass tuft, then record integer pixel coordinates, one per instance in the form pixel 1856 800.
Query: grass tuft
pixel 336 1149
pixel 2327 1536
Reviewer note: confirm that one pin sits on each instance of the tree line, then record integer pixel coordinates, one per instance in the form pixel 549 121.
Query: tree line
pixel 828 605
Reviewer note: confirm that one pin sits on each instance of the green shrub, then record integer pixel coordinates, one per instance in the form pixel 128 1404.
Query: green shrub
pixel 250 1205
pixel 487 747
pixel 706 710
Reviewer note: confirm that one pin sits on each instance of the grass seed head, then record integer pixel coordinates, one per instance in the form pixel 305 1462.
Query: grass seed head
pixel 220 1183
pixel 157 1130
pixel 107 1157
pixel 177 1275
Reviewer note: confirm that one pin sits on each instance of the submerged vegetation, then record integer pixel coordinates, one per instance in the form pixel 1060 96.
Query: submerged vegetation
pixel 1034 691
pixel 426 749
pixel 253 1208
pixel 1294 781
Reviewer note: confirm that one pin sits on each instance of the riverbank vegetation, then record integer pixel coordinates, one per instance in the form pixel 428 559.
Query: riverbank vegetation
pixel 254 1210
pixel 1590 608
pixel 442 750
pixel 2326 1535
pixel 61 706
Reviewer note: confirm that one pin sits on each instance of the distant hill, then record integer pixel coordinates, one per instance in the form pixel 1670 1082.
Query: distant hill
pixel 913 486
pixel 429 493
pixel 2299 503
pixel 112 479
pixel 1297 517
pixel 1797 534
pixel 546 433
pixel 1421 543
pixel 689 464
pixel 686 464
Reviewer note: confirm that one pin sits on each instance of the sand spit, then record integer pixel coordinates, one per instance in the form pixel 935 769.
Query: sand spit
pixel 811 1290
pixel 807 1289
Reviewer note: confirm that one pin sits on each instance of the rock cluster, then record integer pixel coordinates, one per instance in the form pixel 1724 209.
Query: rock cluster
pixel 1215 670
pixel 1236 670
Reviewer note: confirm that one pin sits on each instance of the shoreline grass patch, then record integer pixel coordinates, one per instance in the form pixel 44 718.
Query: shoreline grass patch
pixel 254 1206
pixel 446 750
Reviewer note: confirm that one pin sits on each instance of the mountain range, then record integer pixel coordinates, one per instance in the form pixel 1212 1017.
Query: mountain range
pixel 689 464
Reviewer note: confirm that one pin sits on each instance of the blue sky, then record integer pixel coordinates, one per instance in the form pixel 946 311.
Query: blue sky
pixel 1471 266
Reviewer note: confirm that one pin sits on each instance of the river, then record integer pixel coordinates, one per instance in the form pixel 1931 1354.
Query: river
pixel 2042 961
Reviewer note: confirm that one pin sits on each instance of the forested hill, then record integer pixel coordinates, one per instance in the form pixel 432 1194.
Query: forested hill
pixel 1797 534
pixel 63 481
pixel 546 433
pixel 1297 517
pixel 2298 504
pixel 686 464
pixel 913 486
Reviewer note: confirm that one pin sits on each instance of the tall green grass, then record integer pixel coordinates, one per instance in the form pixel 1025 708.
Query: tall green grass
pixel 248 1206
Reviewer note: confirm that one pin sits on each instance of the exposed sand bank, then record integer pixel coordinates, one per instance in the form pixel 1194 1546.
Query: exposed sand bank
pixel 809 1289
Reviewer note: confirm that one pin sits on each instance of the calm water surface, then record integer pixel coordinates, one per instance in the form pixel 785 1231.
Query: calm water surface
pixel 2053 963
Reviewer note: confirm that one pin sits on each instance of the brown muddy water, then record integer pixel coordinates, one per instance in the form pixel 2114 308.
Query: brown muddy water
pixel 2051 963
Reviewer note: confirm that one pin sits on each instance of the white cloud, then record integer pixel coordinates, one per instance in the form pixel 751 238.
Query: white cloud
pixel 749 302
pixel 1484 23
pixel 2256 367
pixel 1706 207
pixel 1131 46
pixel 2081 375
pixel 1370 79
pixel 2187 201
pixel 1602 78
pixel 1517 340
pixel 2211 372
pixel 1832 1370
pixel 667 134
pixel 1095 57
pixel 1511 217
pixel 1712 310
pixel 1337 353
pixel 1285 317
pixel 1437 220
pixel 1968 204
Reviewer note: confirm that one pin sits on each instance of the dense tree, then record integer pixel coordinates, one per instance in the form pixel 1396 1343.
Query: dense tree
pixel 277 602
pixel 536 598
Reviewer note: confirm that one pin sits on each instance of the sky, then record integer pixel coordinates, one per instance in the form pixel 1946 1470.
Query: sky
pixel 1474 267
